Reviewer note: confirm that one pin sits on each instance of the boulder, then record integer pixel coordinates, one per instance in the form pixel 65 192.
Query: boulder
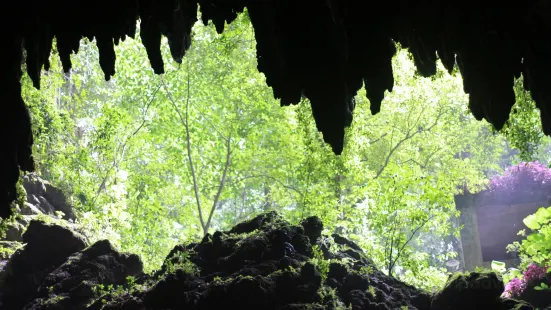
pixel 45 198
pixel 475 290
pixel 14 232
pixel 30 209
pixel 46 247
pixel 74 283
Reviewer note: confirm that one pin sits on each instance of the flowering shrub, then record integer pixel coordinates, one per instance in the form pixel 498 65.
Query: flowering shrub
pixel 522 178
pixel 514 288
pixel 533 284
pixel 531 277
pixel 534 273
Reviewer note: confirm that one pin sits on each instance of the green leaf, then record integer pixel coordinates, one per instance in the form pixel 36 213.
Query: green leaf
pixel 498 266
pixel 531 221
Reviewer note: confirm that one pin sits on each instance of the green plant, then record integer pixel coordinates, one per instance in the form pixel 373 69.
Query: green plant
pixel 542 287
pixel 537 245
pixel 21 194
pixel 328 296
pixel 372 291
pixel 6 223
pixel 498 266
pixel 366 270
pixel 181 261
pixel 6 252
pixel 535 254
pixel 320 262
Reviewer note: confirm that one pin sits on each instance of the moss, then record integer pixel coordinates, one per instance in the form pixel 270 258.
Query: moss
pixel 54 300
pixel 21 194
pixel 6 252
pixel 328 295
pixel 181 261
pixel 371 290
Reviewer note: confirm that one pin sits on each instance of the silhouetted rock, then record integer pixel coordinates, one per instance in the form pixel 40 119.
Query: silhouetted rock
pixel 73 283
pixel 312 228
pixel 264 263
pixel 47 247
pixel 474 291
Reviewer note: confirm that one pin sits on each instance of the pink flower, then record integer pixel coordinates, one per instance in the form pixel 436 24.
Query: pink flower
pixel 521 177
pixel 534 272
pixel 514 288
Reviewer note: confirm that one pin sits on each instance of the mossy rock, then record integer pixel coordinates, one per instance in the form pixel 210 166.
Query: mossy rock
pixel 476 290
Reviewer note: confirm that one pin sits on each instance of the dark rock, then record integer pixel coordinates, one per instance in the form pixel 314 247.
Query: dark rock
pixel 47 247
pixel 343 241
pixel 361 300
pixel 337 271
pixel 313 227
pixel 255 223
pixel 262 267
pixel 470 291
pixel 76 278
pixel 30 209
pixel 172 292
pixel 302 245
pixel 355 281
pixel 537 298
pixel 128 303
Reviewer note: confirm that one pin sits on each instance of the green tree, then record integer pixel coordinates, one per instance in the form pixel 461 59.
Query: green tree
pixel 152 160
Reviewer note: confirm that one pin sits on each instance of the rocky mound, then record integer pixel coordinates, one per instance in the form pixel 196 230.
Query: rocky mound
pixel 263 263
pixel 44 198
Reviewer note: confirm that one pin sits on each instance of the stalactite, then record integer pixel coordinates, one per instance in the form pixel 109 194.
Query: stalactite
pixel 323 50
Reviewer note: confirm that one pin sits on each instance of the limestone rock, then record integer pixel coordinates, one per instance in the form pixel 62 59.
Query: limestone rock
pixel 45 198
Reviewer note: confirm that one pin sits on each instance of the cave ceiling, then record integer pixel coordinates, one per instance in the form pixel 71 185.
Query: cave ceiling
pixel 324 50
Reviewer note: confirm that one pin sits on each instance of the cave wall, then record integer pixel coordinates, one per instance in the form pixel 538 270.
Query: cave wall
pixel 490 225
pixel 323 50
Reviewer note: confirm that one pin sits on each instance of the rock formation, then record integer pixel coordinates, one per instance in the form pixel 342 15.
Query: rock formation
pixel 264 263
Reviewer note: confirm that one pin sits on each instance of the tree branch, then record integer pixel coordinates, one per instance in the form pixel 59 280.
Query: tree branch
pixel 273 179
pixel 122 148
pixel 185 122
pixel 409 135
pixel 222 182
pixel 400 251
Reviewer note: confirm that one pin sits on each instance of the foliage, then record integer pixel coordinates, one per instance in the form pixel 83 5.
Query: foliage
pixel 6 252
pixel 320 262
pixel 428 278
pixel 523 129
pixel 518 282
pixel 115 291
pixel 181 261
pixel 537 245
pixel 535 254
pixel 151 161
